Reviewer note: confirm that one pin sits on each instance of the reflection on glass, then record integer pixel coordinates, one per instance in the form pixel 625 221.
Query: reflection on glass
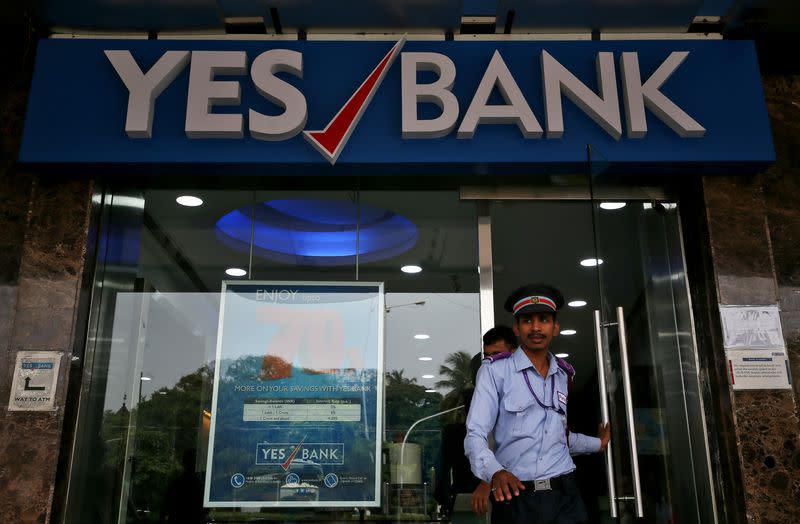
pixel 144 449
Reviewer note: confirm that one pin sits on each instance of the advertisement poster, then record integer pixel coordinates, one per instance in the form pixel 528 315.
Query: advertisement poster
pixel 298 394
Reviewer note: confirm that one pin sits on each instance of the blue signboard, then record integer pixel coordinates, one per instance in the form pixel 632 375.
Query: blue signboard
pixel 305 105
pixel 298 395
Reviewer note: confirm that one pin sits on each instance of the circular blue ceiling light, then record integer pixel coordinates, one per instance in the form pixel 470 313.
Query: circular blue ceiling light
pixel 315 232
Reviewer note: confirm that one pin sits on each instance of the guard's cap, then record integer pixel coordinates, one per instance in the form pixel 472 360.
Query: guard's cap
pixel 534 298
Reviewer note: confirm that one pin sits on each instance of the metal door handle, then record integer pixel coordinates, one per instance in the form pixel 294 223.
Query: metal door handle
pixel 626 386
pixel 601 377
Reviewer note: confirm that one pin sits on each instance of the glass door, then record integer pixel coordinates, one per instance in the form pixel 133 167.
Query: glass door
pixel 647 359
pixel 619 263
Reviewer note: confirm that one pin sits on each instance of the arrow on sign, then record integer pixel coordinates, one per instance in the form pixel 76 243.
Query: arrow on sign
pixel 28 386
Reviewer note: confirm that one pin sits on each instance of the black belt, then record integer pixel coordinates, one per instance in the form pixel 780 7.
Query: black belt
pixel 547 484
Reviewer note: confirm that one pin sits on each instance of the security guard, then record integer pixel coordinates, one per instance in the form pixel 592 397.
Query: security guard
pixel 523 398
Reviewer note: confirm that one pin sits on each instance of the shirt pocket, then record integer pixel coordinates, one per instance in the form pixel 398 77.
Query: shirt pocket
pixel 522 413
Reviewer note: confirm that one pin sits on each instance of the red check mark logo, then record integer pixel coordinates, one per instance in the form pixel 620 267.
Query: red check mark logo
pixel 331 140
pixel 293 454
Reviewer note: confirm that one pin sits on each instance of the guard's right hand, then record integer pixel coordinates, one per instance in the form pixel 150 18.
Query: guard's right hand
pixel 505 485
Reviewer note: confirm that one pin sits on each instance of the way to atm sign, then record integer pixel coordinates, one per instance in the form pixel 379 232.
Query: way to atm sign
pixel 640 95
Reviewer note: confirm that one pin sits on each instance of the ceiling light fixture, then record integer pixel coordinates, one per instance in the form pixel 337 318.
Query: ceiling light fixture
pixel 591 262
pixel 427 376
pixel 562 355
pixel 425 359
pixel 189 201
pixel 411 269
pixel 235 272
pixel 612 205
pixel 576 303
pixel 422 336
pixel 568 332
pixel 317 232
pixel 430 391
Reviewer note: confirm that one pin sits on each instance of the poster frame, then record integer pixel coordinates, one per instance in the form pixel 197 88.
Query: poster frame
pixel 375 501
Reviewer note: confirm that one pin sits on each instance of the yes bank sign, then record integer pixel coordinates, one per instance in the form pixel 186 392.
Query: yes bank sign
pixel 497 103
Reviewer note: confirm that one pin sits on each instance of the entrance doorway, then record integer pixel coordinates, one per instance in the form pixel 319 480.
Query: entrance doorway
pixel 626 328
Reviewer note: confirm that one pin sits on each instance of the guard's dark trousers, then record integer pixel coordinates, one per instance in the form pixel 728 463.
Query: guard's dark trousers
pixel 560 505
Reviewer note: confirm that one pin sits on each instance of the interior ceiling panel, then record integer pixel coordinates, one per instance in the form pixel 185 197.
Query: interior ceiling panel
pixel 415 16
pixel 309 15
pixel 406 15
pixel 132 15
pixel 603 15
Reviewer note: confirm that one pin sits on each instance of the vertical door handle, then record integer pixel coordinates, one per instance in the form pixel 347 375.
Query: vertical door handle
pixel 601 377
pixel 626 384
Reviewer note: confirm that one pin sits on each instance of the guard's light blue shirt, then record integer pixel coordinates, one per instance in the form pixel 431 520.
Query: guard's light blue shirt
pixel 531 441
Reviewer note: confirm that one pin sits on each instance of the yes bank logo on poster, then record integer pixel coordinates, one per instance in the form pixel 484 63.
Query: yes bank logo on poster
pixel 639 95
pixel 285 454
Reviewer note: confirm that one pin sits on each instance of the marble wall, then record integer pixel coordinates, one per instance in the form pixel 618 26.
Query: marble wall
pixel 39 296
pixel 43 231
pixel 754 224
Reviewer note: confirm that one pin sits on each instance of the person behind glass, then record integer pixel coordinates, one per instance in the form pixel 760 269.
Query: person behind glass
pixel 499 339
pixel 523 398
pixel 456 477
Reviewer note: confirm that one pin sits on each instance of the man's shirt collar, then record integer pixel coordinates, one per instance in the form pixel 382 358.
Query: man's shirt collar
pixel 522 362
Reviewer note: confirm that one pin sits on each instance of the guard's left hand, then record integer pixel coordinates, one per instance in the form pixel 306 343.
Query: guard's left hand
pixel 480 498
pixel 604 434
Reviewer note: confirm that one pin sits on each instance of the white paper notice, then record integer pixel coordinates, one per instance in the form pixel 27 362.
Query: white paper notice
pixel 751 327
pixel 758 369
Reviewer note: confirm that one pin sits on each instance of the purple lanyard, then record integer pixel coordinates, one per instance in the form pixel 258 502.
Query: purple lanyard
pixel 552 391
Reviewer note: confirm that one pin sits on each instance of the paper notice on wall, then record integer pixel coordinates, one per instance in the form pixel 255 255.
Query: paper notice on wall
pixel 751 327
pixel 758 369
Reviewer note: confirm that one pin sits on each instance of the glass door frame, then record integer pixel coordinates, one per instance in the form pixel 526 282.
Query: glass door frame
pixel 484 195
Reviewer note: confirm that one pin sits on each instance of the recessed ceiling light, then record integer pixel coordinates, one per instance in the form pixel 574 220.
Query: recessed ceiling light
pixel 427 376
pixel 422 336
pixel 430 391
pixel 568 332
pixel 612 205
pixel 562 355
pixel 591 262
pixel 411 269
pixel 577 303
pixel 145 378
pixel 647 205
pixel 425 359
pixel 669 205
pixel 235 272
pixel 189 201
